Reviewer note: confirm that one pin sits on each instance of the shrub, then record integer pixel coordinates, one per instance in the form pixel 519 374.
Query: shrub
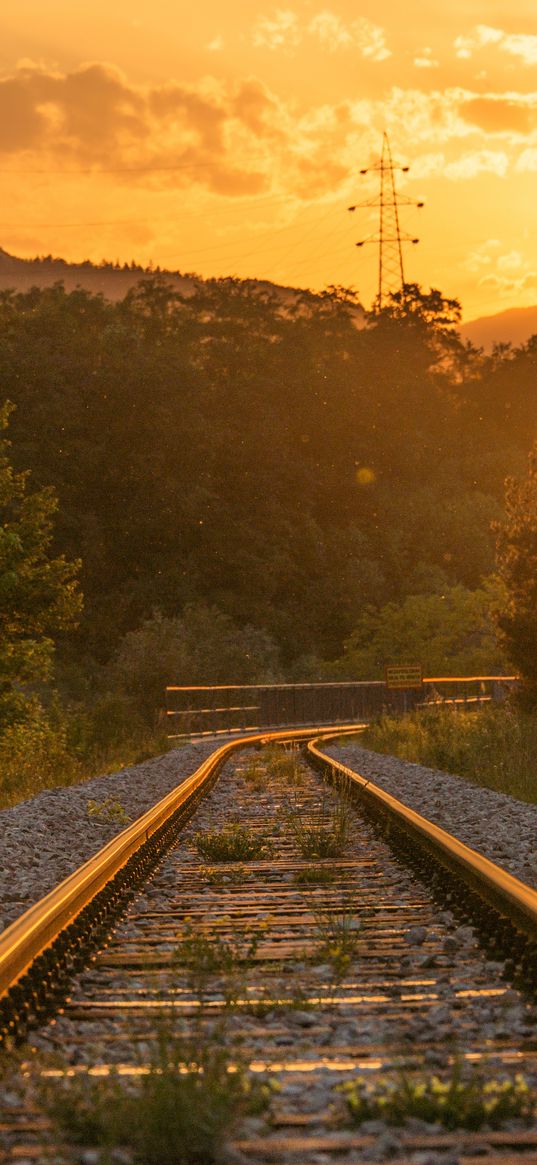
pixel 34 755
pixel 178 1113
pixel 233 843
pixel 462 1101
pixel 496 747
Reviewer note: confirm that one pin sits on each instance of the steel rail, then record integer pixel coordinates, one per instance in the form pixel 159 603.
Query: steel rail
pixel 37 929
pixel 505 892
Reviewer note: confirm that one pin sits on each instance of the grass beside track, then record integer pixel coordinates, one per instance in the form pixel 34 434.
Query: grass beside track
pixel 495 747
pixel 40 755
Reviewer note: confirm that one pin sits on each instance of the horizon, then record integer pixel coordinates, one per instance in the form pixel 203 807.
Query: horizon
pixel 231 143
pixel 112 265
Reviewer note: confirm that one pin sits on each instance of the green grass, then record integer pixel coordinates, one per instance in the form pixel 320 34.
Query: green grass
pixel 233 843
pixel 325 837
pixel 108 810
pixel 337 933
pixel 466 1101
pixel 180 1112
pixel 56 749
pixel 316 875
pixel 283 763
pixel 495 747
pixel 204 957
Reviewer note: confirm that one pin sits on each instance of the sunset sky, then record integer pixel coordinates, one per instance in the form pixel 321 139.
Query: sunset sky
pixel 227 139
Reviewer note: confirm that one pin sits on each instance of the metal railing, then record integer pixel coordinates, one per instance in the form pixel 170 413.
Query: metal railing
pixel 209 710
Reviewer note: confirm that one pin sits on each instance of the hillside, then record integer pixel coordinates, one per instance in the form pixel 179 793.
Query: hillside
pixel 108 279
pixel 514 326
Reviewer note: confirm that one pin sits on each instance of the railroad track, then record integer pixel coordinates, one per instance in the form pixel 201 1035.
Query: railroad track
pixel 382 963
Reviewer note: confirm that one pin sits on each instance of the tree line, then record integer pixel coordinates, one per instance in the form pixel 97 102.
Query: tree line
pixel 256 487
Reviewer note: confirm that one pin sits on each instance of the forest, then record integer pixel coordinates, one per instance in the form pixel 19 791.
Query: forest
pixel 258 488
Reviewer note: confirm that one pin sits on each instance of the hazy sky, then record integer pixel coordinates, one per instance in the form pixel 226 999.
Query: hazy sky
pixel 228 139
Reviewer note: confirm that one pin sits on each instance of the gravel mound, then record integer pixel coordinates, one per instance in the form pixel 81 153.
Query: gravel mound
pixel 497 825
pixel 45 839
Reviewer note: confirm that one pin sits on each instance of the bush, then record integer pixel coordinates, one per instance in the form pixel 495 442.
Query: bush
pixel 35 755
pixel 178 1113
pixel 201 646
pixel 461 1101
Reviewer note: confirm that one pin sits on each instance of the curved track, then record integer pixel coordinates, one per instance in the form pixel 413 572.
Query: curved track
pixel 385 957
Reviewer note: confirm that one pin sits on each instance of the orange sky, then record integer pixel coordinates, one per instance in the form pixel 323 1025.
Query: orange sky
pixel 228 139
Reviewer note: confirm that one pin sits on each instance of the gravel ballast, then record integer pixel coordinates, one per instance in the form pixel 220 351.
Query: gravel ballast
pixel 45 839
pixel 497 825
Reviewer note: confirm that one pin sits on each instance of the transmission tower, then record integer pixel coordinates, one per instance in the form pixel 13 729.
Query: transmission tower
pixel 389 239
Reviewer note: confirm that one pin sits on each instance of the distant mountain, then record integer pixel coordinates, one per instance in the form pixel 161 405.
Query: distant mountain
pixel 514 326
pixel 111 280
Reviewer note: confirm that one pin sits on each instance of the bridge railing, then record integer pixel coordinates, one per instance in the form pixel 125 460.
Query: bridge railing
pixel 209 710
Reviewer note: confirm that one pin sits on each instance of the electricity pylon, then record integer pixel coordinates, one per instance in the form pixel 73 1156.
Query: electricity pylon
pixel 390 240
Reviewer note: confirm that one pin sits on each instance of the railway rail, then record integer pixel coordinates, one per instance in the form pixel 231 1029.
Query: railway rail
pixel 383 960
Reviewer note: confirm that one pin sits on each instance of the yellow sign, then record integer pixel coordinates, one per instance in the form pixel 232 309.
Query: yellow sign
pixel 404 676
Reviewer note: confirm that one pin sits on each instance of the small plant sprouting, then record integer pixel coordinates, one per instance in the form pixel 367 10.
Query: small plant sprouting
pixel 338 939
pixel 325 837
pixel 255 775
pixel 465 1101
pixel 216 876
pixel 233 843
pixel 108 810
pixel 284 763
pixel 317 875
pixel 179 1112
pixel 209 956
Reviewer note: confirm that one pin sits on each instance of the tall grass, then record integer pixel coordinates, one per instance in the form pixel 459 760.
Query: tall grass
pixel 66 746
pixel 495 747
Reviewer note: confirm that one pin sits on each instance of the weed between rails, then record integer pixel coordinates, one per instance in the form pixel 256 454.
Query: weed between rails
pixel 180 1111
pixel 465 1101
pixel 325 837
pixel 233 843
pixel 205 957
pixel 337 934
pixel 284 764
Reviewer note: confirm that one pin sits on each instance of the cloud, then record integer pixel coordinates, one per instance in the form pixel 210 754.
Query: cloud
pixel 216 45
pixel 520 44
pixel 283 31
pixel 171 134
pixel 471 164
pixel 507 273
pixel 240 139
pixel 509 287
pixel 527 161
pixel 499 114
pixel 512 261
pixel 425 60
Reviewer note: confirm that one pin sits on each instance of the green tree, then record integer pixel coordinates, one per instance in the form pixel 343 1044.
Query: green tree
pixel 201 646
pixel 517 562
pixel 38 592
pixel 450 633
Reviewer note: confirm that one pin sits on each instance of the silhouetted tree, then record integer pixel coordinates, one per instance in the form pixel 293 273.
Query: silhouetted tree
pixel 517 561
